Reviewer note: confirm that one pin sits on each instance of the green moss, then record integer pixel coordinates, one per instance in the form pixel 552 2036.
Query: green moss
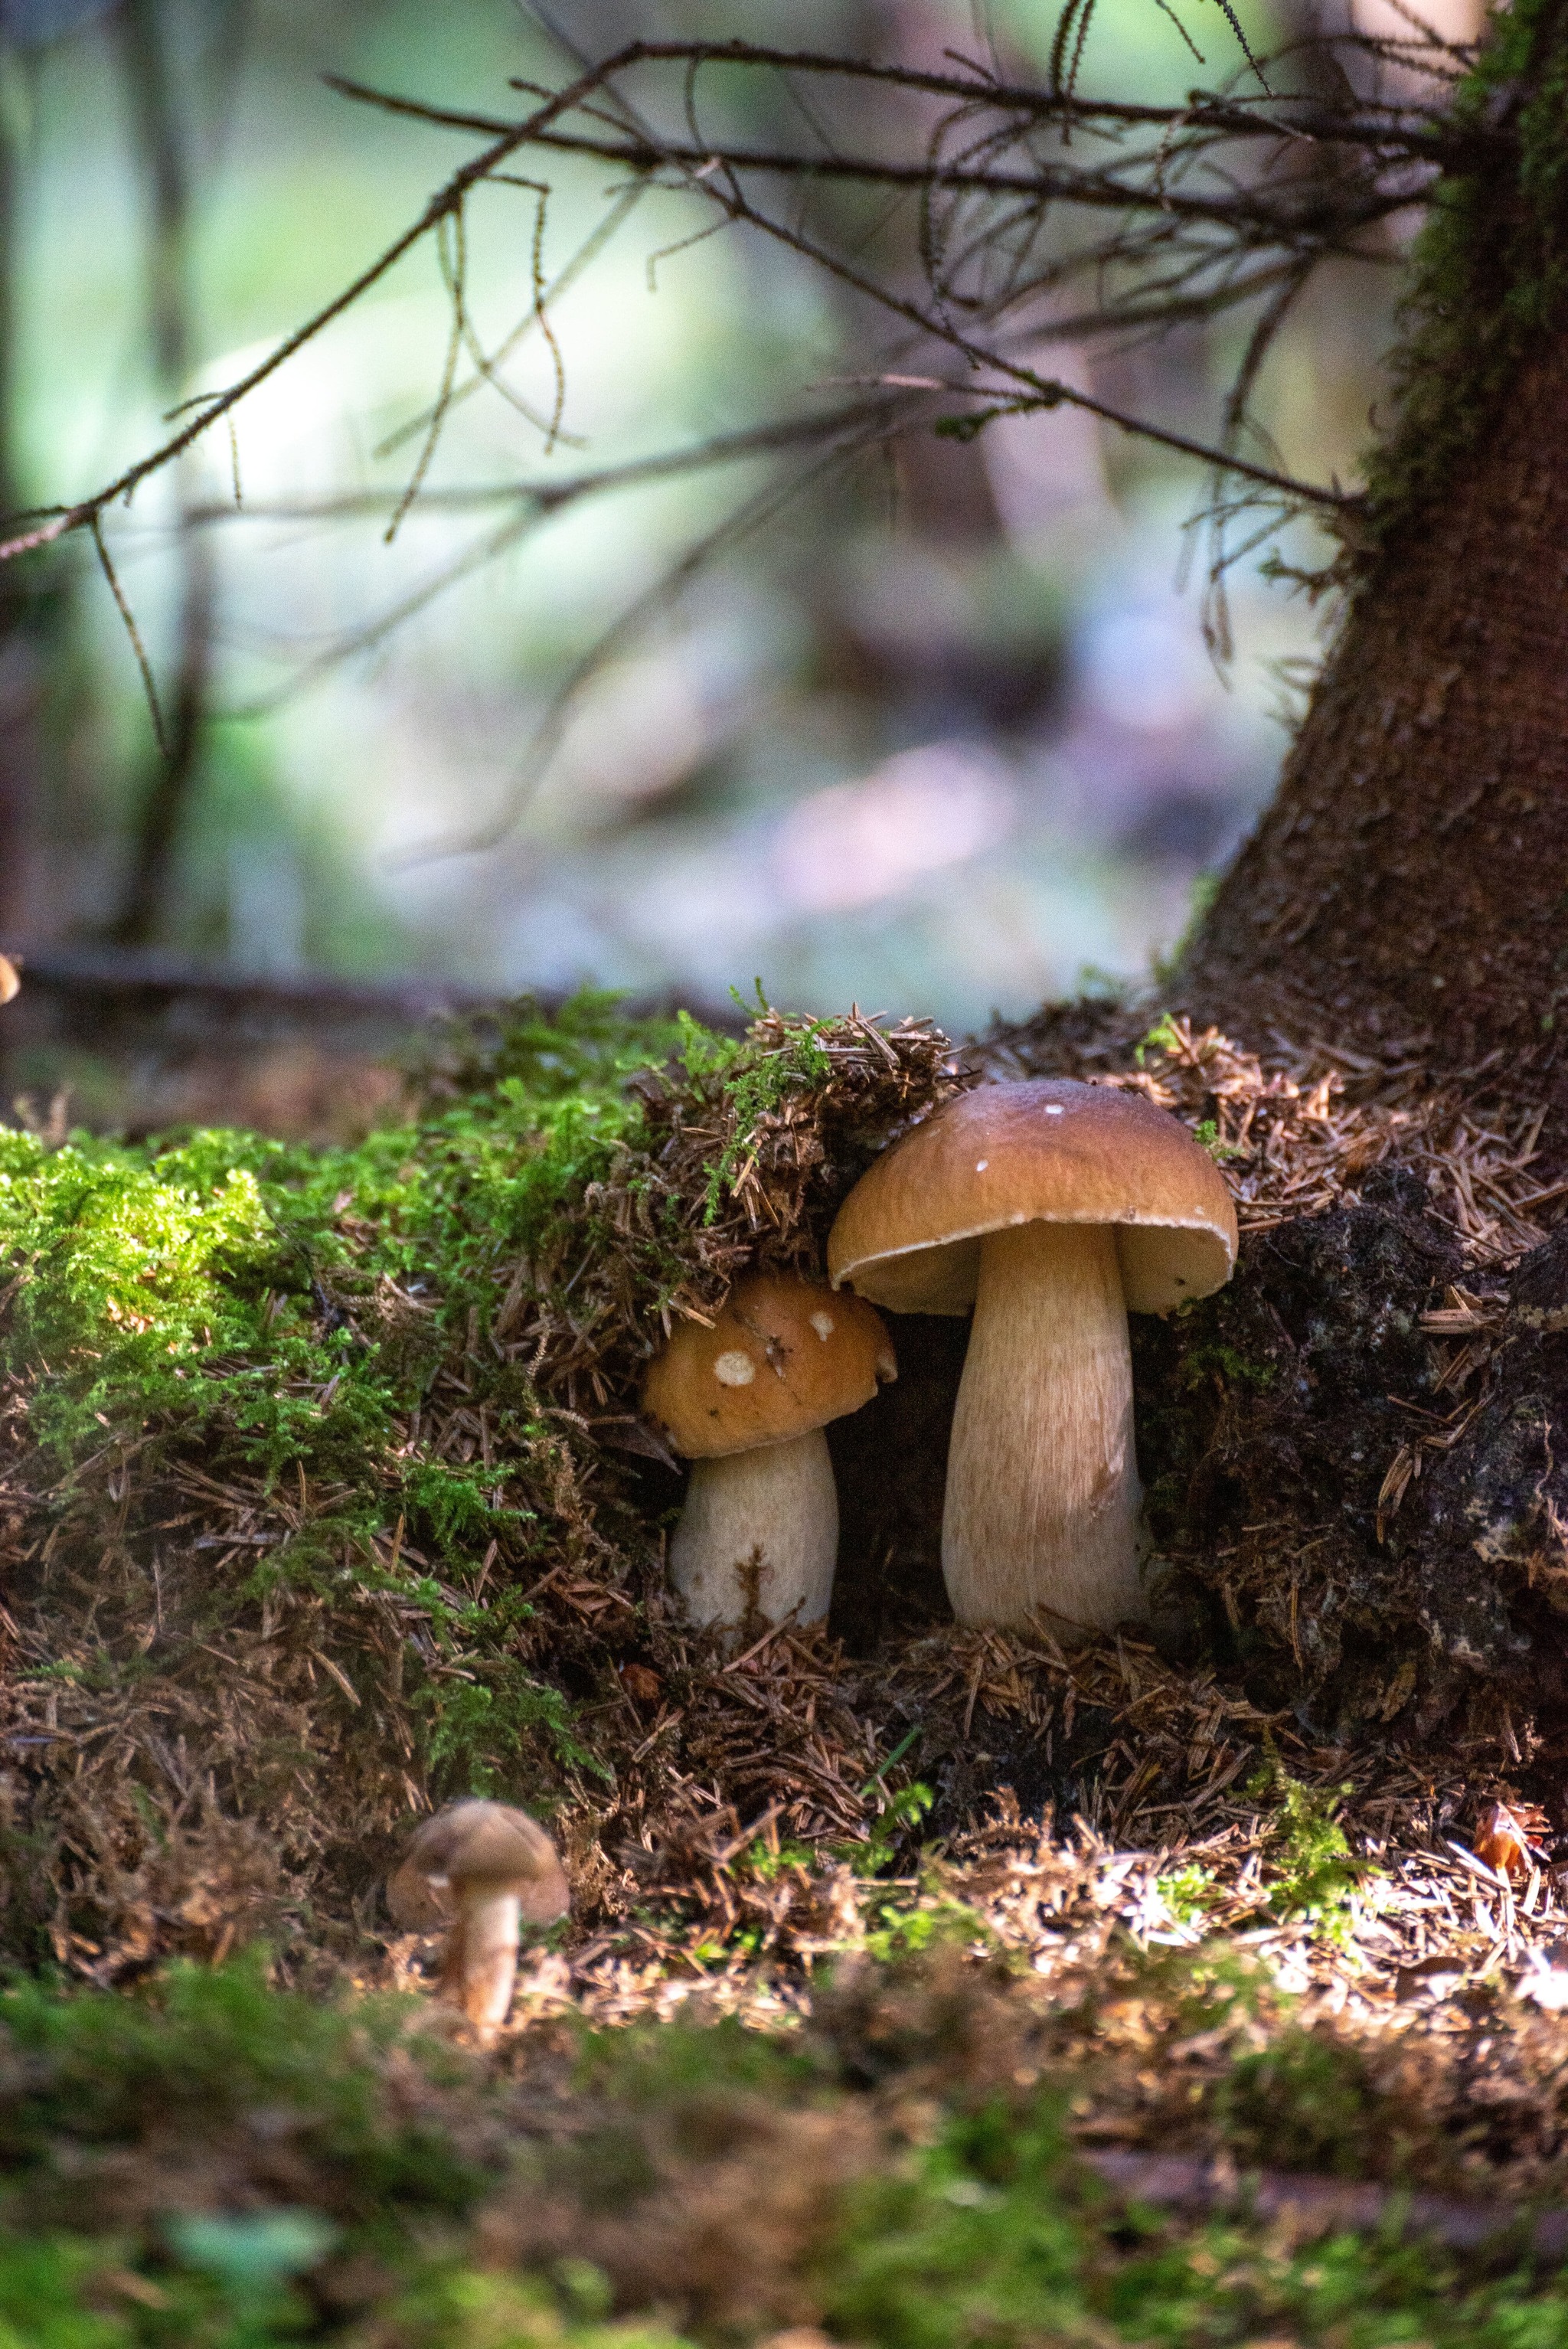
pixel 279 1314
pixel 200 2049
pixel 1304 2103
pixel 391 2143
pixel 466 2310
pixel 1311 1873
pixel 377 2228
pixel 1212 1358
pixel 755 1083
pixel 987 2237
pixel 478 1727
pixel 1189 1892
pixel 350 1411
pixel 654 2066
pixel 224 1280
pixel 1489 274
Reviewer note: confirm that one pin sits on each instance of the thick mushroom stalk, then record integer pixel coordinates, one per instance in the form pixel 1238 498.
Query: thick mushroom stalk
pixel 1042 1482
pixel 758 1537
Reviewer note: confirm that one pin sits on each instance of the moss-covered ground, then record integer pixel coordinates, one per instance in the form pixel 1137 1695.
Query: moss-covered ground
pixel 324 1497
pixel 209 2160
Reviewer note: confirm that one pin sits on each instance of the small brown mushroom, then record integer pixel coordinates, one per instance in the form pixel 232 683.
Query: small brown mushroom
pixel 1054 1209
pixel 746 1401
pixel 490 1870
pixel 10 980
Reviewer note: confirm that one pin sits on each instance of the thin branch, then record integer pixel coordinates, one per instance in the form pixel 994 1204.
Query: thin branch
pixel 1216 619
pixel 1408 135
pixel 148 684
pixel 1033 391
pixel 1098 191
pixel 1201 224
pixel 1419 132
pixel 63 520
pixel 752 515
pixel 1040 105
pixel 1047 395
pixel 887 414
pixel 865 424
pixel 453 270
pixel 591 247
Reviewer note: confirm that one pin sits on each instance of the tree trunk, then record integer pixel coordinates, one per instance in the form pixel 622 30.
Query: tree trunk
pixel 1410 881
pixel 19 679
pixel 150 46
pixel 1408 885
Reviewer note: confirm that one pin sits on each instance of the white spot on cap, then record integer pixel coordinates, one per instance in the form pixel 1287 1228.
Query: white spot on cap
pixel 981 1165
pixel 1055 1108
pixel 734 1369
pixel 823 1325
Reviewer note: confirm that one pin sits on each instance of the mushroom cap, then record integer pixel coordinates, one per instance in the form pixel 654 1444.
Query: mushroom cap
pixel 783 1356
pixel 481 1846
pixel 1047 1150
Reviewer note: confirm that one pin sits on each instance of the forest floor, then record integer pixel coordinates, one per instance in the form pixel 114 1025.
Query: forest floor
pixel 1206 1986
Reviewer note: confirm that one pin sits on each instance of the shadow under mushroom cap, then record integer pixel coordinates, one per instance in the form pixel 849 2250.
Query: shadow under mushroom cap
pixel 1047 1150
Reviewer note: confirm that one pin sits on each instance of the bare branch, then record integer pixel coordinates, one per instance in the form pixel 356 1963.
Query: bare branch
pixel 149 683
pixel 1044 217
pixel 866 423
pixel 1099 190
pixel 52 523
pixel 753 515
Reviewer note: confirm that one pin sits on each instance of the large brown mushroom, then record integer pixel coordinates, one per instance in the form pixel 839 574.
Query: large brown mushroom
pixel 490 1870
pixel 1054 1209
pixel 746 1401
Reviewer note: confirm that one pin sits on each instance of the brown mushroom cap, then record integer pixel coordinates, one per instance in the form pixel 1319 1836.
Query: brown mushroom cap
pixel 784 1356
pixel 1051 1151
pixel 478 1846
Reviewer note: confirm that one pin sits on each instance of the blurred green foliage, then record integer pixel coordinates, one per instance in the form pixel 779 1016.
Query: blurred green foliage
pixel 985 2231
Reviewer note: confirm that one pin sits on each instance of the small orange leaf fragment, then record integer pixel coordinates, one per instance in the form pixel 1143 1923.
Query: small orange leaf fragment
pixel 1505 1833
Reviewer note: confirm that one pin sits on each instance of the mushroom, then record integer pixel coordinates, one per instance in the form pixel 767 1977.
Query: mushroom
pixel 746 1401
pixel 1054 1209
pixel 491 1869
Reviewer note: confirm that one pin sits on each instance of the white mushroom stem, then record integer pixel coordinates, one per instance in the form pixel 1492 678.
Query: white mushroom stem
pixel 481 1962
pixel 759 1538
pixel 1042 1481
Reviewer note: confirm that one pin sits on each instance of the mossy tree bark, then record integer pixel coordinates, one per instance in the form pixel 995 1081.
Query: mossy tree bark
pixel 1409 880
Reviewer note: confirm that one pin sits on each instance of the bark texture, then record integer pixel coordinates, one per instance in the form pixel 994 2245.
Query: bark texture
pixel 1410 881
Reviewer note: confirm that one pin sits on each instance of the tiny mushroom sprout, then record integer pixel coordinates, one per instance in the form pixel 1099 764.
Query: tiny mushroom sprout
pixel 489 1869
pixel 747 1400
pixel 1053 1208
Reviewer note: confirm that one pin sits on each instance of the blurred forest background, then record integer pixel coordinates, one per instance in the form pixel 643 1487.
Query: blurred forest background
pixel 936 730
